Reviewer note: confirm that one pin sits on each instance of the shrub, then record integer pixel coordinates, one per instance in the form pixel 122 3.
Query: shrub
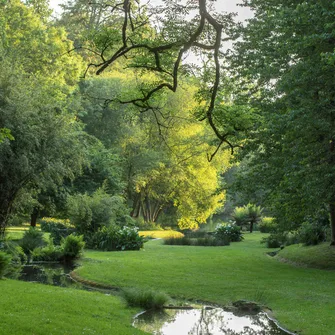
pixel 31 239
pixel 50 224
pixel 228 232
pixel 90 213
pixel 312 232
pixel 146 299
pixel 208 241
pixel 72 247
pixel 58 228
pixel 50 253
pixel 267 225
pixel 16 252
pixel 5 262
pixel 114 238
pixel 275 240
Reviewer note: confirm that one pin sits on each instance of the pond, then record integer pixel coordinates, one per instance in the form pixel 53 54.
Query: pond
pixel 49 273
pixel 199 321
pixel 206 321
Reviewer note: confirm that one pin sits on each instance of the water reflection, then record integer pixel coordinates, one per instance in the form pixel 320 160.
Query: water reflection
pixel 51 274
pixel 214 321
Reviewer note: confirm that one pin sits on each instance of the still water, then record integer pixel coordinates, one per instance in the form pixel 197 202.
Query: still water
pixel 215 321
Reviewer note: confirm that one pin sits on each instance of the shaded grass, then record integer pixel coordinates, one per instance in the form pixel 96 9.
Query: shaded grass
pixel 160 233
pixel 320 256
pixel 301 299
pixel 36 309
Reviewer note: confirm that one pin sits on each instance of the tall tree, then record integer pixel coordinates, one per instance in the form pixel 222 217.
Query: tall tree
pixel 287 55
pixel 36 79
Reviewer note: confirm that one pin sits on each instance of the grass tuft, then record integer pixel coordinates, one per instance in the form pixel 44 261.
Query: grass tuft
pixel 147 299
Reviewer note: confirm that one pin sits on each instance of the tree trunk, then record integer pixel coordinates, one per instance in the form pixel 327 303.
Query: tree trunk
pixel 251 226
pixel 332 222
pixel 34 216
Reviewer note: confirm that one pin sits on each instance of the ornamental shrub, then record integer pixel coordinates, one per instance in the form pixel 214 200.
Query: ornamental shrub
pixel 72 247
pixel 228 231
pixel 114 238
pixel 208 241
pixel 50 253
pixel 31 239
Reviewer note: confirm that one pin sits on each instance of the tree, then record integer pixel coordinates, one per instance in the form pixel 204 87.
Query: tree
pixel 163 150
pixel 286 61
pixel 157 39
pixel 36 79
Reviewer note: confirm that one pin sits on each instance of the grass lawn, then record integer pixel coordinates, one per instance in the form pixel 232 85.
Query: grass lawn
pixel 320 256
pixel 302 299
pixel 37 309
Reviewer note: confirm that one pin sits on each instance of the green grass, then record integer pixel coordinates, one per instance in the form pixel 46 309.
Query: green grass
pixel 320 256
pixel 147 299
pixel 36 309
pixel 302 299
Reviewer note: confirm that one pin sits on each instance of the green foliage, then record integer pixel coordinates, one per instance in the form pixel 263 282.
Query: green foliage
pixel 248 214
pixel 275 240
pixel 147 299
pixel 267 225
pixel 58 228
pixel 72 247
pixel 228 232
pixel 49 253
pixel 285 51
pixel 207 241
pixel 32 238
pixel 89 213
pixel 5 261
pixel 37 76
pixel 114 238
pixel 240 215
pixel 49 224
pixel 312 232
pixel 16 252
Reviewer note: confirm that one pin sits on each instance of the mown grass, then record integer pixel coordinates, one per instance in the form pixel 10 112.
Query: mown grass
pixel 302 299
pixel 161 233
pixel 36 309
pixel 320 256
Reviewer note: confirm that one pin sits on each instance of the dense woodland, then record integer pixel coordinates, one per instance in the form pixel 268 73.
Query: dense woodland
pixel 122 113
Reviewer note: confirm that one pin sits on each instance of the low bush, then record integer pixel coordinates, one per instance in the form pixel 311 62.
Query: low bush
pixel 72 247
pixel 58 228
pixel 147 299
pixel 274 240
pixel 200 241
pixel 267 225
pixel 5 262
pixel 114 238
pixel 13 249
pixel 49 224
pixel 229 232
pixel 50 253
pixel 313 233
pixel 31 239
